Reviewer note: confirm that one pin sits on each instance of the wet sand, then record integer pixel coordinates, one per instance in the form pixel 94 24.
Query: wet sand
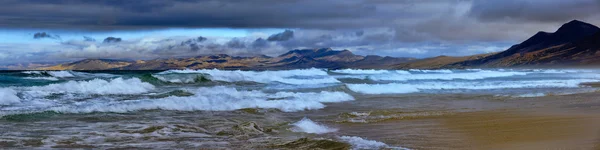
pixel 550 122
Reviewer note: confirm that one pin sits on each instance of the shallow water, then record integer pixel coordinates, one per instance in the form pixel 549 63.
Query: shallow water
pixel 367 109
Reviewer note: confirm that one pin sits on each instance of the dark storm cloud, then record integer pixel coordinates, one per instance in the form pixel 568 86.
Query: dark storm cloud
pixel 283 36
pixel 88 39
pixel 41 35
pixel 259 43
pixel 411 20
pixel 536 10
pixel 236 43
pixel 112 40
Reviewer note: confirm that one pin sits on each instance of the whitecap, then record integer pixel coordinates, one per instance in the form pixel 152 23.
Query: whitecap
pixel 359 71
pixel 382 88
pixel 8 96
pixel 217 98
pixel 432 71
pixel 449 76
pixel 95 86
pixel 42 78
pixel 298 76
pixel 399 88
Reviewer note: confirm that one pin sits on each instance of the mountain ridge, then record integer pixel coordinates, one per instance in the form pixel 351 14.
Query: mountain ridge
pixel 573 44
pixel 294 59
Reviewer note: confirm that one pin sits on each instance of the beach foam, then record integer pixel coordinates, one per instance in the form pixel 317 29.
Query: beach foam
pixel 308 126
pixel 359 143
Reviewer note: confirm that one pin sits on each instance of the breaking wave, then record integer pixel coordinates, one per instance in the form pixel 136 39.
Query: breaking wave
pixel 217 98
pixel 181 77
pixel 308 126
pixel 369 71
pixel 42 78
pixel 95 86
pixel 8 96
pixel 59 74
pixel 432 71
pixel 465 76
pixel 399 88
pixel 300 76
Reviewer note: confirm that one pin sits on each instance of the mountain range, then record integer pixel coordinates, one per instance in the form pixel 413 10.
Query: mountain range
pixel 574 44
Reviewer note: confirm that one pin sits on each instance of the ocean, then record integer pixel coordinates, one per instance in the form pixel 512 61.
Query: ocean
pixel 286 109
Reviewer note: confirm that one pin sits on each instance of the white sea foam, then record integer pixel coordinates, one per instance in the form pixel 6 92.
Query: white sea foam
pixel 359 143
pixel 398 88
pixel 359 71
pixel 299 76
pixel 308 126
pixel 8 96
pixel 432 71
pixel 179 77
pixel 42 78
pixel 60 74
pixel 382 88
pixel 95 86
pixel 217 98
pixel 465 75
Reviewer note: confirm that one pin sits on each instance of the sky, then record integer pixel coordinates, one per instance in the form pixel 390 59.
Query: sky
pixel 37 31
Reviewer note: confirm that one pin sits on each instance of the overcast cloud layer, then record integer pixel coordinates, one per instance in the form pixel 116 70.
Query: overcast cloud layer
pixel 410 28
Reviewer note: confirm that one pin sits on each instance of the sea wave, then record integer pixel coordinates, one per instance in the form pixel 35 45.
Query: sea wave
pixel 181 77
pixel 59 74
pixel 8 96
pixel 218 98
pixel 42 78
pixel 399 88
pixel 299 76
pixel 432 71
pixel 369 71
pixel 95 86
pixel 464 75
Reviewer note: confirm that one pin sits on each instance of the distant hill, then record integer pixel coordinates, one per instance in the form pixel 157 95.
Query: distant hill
pixel 294 59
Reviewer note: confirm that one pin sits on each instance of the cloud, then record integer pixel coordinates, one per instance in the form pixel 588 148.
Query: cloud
pixel 410 20
pixel 111 40
pixel 554 11
pixel 283 36
pixel 41 35
pixel 89 39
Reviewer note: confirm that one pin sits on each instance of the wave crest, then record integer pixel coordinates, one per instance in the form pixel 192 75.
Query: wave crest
pixel 299 76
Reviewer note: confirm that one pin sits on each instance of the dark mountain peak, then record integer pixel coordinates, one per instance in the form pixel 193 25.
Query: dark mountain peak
pixel 577 26
pixel 310 52
pixel 568 32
